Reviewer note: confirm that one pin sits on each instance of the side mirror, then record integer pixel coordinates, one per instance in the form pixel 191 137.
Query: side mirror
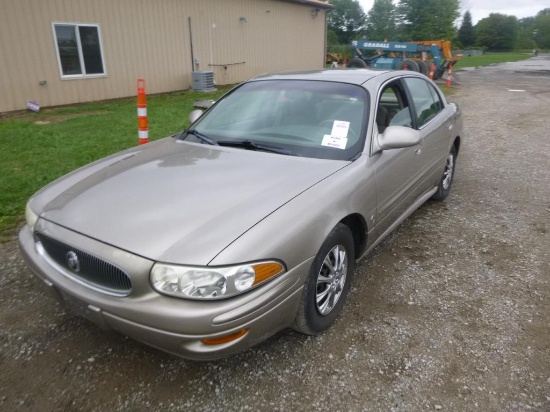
pixel 194 115
pixel 396 137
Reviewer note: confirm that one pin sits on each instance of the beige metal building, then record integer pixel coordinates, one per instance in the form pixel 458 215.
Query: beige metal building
pixel 60 52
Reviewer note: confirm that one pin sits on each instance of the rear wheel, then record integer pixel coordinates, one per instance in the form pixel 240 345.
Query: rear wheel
pixel 328 283
pixel 410 64
pixel 356 63
pixel 444 187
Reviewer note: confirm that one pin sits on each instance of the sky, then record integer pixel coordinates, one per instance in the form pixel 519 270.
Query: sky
pixel 482 8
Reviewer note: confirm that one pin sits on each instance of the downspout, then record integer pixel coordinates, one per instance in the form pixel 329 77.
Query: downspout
pixel 325 43
pixel 192 52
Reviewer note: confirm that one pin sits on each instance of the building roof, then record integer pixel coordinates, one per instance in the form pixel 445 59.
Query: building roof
pixel 320 4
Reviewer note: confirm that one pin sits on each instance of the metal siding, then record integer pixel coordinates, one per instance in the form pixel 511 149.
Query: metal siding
pixel 150 39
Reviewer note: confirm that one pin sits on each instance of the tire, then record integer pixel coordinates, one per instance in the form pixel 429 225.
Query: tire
pixel 326 288
pixel 357 63
pixel 423 67
pixel 446 181
pixel 411 65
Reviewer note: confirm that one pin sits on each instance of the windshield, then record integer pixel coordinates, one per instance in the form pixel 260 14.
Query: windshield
pixel 302 118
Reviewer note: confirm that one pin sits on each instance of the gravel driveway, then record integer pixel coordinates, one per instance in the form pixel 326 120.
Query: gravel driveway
pixel 450 313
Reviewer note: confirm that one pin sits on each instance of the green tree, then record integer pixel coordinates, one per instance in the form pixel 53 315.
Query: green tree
pixel 347 20
pixel 466 33
pixel 541 29
pixel 526 34
pixel 497 32
pixel 382 21
pixel 332 38
pixel 429 19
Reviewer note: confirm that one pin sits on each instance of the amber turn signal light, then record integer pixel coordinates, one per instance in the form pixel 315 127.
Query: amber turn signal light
pixel 264 271
pixel 225 339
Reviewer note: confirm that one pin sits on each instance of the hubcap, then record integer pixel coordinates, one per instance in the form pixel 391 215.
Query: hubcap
pixel 448 173
pixel 331 279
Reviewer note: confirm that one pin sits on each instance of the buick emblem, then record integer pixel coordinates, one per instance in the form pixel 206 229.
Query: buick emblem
pixel 73 262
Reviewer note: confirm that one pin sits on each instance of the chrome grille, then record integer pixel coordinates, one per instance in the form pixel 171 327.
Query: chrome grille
pixel 92 270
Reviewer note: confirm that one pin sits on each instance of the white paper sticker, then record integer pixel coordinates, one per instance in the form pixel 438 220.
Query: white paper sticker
pixel 340 129
pixel 334 141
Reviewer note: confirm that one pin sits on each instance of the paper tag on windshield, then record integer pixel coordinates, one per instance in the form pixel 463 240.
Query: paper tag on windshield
pixel 334 141
pixel 340 129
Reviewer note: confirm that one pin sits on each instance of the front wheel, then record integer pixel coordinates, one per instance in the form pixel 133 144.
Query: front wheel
pixel 328 283
pixel 444 187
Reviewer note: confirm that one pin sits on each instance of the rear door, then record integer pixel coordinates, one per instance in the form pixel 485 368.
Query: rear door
pixel 433 121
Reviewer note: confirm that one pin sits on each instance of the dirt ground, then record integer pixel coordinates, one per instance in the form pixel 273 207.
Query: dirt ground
pixel 450 313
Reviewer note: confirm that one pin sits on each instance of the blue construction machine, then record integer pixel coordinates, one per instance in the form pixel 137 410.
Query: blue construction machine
pixel 394 55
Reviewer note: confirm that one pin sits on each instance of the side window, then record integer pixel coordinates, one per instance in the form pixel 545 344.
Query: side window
pixel 393 109
pixel 427 105
pixel 437 99
pixel 79 50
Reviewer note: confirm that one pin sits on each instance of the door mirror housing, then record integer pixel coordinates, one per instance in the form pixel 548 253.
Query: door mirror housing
pixel 397 137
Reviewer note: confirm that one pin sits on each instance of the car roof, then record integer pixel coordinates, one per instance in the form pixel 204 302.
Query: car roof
pixel 352 76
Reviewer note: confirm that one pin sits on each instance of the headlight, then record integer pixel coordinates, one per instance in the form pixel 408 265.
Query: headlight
pixel 30 216
pixel 211 283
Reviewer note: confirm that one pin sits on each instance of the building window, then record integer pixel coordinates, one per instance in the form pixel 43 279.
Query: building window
pixel 79 50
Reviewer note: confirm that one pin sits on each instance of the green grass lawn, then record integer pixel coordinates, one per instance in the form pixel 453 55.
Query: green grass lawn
pixel 490 58
pixel 37 148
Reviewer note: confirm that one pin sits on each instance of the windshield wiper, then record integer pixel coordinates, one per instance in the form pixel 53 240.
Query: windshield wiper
pixel 250 145
pixel 198 134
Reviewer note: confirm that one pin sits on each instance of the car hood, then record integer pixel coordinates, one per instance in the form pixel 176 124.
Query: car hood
pixel 179 202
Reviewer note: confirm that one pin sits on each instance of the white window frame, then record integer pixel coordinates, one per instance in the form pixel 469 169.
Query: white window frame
pixel 80 54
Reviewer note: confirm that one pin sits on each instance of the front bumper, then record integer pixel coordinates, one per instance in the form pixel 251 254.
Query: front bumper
pixel 171 324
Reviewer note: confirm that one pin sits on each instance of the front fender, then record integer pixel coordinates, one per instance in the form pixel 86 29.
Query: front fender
pixel 296 231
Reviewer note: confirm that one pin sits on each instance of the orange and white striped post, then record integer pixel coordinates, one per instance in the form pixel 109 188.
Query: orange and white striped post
pixel 143 122
pixel 449 75
pixel 432 70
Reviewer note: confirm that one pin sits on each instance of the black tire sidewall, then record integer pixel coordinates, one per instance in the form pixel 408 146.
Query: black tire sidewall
pixel 314 321
pixel 357 64
pixel 411 65
pixel 441 192
pixel 423 67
